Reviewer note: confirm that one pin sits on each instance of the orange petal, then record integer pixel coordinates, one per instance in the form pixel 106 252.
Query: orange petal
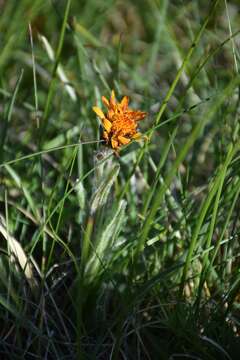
pixel 112 99
pixel 137 115
pixel 137 136
pixel 123 140
pixel 99 112
pixel 124 103
pixel 114 143
pixel 105 136
pixel 107 124
pixel 105 101
pixel 110 114
pixel 140 115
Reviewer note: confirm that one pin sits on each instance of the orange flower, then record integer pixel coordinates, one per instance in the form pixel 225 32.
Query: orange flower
pixel 120 123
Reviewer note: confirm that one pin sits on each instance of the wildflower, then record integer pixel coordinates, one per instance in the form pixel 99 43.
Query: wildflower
pixel 120 123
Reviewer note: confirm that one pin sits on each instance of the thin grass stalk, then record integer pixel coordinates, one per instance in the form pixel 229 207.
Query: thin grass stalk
pixel 54 71
pixel 159 168
pixel 42 152
pixel 62 206
pixel 222 176
pixel 182 154
pixel 220 239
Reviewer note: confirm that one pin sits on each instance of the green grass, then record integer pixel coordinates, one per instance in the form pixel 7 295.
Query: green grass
pixel 119 257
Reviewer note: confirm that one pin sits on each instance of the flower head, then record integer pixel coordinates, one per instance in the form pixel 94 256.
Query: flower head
pixel 120 122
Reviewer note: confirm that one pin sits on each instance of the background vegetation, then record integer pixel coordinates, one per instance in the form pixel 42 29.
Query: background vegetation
pixel 129 257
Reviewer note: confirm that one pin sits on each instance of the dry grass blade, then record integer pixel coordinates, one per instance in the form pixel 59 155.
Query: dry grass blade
pixel 17 253
pixel 61 73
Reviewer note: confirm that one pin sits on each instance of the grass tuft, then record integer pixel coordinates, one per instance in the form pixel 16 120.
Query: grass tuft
pixel 119 256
